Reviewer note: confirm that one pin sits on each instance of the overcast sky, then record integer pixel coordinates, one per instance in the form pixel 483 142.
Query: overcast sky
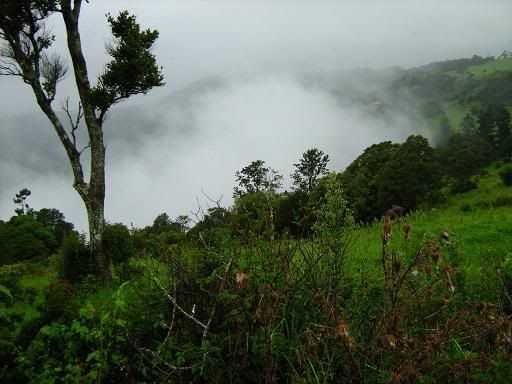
pixel 164 148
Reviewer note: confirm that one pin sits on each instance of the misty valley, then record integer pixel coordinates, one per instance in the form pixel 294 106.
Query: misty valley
pixel 276 221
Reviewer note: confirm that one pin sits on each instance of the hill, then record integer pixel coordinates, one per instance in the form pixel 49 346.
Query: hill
pixel 451 89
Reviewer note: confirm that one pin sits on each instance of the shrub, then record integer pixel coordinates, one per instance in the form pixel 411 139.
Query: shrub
pixel 503 201
pixel 506 273
pixel 506 175
pixel 10 276
pixel 462 186
pixel 465 207
pixel 24 238
pixel 117 242
pixel 76 258
pixel 60 302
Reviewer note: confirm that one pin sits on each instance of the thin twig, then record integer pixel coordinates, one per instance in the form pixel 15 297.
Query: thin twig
pixel 221 288
pixel 173 300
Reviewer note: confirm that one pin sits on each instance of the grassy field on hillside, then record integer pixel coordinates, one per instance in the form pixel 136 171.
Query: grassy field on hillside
pixel 479 223
pixel 490 68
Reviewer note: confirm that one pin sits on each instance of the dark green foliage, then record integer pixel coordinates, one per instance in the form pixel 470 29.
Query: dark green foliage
pixel 117 242
pixel 431 108
pixel 133 68
pixel 311 167
pixel 445 131
pixel 290 215
pixel 54 219
pixel 407 175
pixel 23 238
pixel 496 90
pixel 214 226
pixel 163 223
pixel 257 178
pixel 76 258
pixel 60 301
pixel 253 214
pixel 359 180
pixel 505 151
pixel 296 211
pixel 506 175
pixel 468 125
pixel 462 158
pixel 494 125
pixel 411 177
pixel 10 276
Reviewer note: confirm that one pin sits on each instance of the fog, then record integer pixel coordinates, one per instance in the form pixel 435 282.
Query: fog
pixel 245 81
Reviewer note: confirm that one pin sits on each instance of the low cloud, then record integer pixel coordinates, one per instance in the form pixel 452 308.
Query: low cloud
pixel 161 156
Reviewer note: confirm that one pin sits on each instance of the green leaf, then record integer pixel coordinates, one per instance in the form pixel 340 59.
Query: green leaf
pixel 6 292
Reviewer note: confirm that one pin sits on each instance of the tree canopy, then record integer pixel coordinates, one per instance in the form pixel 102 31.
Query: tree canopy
pixel 257 178
pixel 309 169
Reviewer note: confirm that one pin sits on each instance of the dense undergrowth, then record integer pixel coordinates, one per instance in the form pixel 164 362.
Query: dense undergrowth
pixel 422 299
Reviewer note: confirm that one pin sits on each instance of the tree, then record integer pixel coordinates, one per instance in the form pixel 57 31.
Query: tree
pixel 411 177
pixel 310 168
pixel 468 125
pixel 163 223
pixel 445 131
pixel 118 243
pixel 131 71
pixel 463 157
pixel 54 219
pixel 502 117
pixel 359 180
pixel 21 200
pixel 487 126
pixel 23 238
pixel 334 225
pixel 257 178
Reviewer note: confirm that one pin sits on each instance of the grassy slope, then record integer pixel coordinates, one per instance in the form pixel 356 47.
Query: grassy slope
pixel 490 68
pixel 458 108
pixel 456 111
pixel 479 223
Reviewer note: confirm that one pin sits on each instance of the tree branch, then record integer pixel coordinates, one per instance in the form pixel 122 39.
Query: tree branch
pixel 73 123
pixel 173 300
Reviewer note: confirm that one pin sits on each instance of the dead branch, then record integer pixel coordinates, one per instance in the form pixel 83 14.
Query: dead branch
pixel 173 300
pixel 74 123
pixel 221 288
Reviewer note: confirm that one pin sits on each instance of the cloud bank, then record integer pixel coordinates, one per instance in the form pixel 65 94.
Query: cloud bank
pixel 245 81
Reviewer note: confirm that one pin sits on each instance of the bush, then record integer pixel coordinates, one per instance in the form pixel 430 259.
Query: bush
pixel 503 201
pixel 117 242
pixel 465 207
pixel 77 260
pixel 60 302
pixel 24 238
pixel 506 175
pixel 462 186
pixel 10 276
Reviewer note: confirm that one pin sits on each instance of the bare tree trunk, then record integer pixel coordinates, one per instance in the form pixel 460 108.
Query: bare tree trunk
pixel 95 203
pixel 95 216
pixel 94 199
